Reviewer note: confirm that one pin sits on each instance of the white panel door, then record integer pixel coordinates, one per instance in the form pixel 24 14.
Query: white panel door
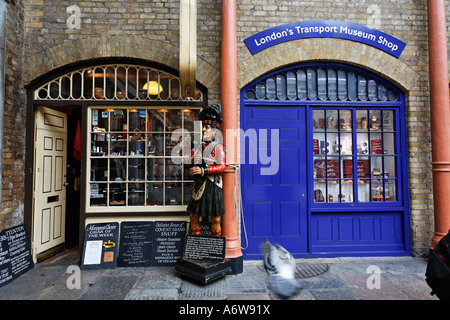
pixel 49 179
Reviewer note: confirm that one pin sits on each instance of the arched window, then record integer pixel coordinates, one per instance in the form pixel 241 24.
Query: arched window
pixel 321 84
pixel 135 114
pixel 114 82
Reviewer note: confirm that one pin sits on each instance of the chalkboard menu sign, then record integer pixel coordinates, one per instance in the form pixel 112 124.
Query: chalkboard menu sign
pixel 142 244
pixel 15 257
pixel 168 242
pixel 100 245
pixel 135 244
pixel 204 248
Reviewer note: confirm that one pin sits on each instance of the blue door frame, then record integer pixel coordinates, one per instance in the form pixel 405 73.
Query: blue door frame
pixel 332 229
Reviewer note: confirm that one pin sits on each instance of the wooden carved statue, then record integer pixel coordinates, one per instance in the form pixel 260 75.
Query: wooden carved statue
pixel 208 165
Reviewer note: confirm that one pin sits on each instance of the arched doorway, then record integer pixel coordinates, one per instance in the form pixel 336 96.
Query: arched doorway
pixel 327 175
pixel 118 164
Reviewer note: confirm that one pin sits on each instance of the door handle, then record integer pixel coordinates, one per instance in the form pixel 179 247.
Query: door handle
pixel 65 184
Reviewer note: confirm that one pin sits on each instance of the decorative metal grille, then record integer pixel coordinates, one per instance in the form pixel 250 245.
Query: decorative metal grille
pixel 114 82
pixel 321 84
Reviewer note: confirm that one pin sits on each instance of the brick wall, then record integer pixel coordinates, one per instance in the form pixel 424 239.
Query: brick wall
pixel 38 38
pixel 112 28
pixel 13 155
pixel 154 22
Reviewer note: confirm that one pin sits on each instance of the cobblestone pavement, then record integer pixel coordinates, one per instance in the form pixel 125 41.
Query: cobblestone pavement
pixel 377 278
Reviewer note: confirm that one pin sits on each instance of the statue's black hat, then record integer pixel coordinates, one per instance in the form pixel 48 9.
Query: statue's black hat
pixel 212 115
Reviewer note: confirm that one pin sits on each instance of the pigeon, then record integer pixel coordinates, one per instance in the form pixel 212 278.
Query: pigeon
pixel 280 265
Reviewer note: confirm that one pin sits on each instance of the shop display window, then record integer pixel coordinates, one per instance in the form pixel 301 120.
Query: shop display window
pixel 354 155
pixel 130 157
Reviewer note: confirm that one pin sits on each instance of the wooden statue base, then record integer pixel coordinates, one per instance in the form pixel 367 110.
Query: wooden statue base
pixel 203 271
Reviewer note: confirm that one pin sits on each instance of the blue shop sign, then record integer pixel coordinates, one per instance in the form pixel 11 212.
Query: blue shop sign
pixel 325 29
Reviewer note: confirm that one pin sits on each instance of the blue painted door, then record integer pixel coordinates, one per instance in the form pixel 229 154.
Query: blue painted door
pixel 274 178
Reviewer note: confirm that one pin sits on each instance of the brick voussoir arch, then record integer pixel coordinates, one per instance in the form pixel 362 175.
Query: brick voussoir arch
pixel 327 49
pixel 92 48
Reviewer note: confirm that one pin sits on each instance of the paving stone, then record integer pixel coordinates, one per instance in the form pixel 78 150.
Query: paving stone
pixel 32 283
pixel 302 295
pixel 358 286
pixel 411 285
pixel 152 294
pixel 241 296
pixel 333 294
pixel 254 270
pixel 159 278
pixel 125 271
pixel 248 285
pixel 110 287
pixel 89 276
pixel 213 291
pixel 324 281
pixel 349 268
pixel 417 266
pixel 60 289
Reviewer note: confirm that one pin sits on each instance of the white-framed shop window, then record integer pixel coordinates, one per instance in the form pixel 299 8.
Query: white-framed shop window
pixel 130 165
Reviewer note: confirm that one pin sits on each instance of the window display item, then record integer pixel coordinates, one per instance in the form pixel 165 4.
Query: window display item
pixel 377 194
pixel 376 172
pixel 337 147
pixel 99 92
pixel 318 196
pixel 363 123
pixel 374 125
pixel 344 125
pixel 120 94
pixel 330 123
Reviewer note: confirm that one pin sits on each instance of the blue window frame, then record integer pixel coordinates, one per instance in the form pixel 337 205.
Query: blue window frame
pixel 356 142
pixel 356 134
pixel 356 165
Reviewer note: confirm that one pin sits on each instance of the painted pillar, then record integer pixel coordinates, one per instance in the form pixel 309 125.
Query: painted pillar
pixel 440 117
pixel 230 221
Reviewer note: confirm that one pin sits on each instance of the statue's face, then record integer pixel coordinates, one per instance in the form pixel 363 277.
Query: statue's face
pixel 208 133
